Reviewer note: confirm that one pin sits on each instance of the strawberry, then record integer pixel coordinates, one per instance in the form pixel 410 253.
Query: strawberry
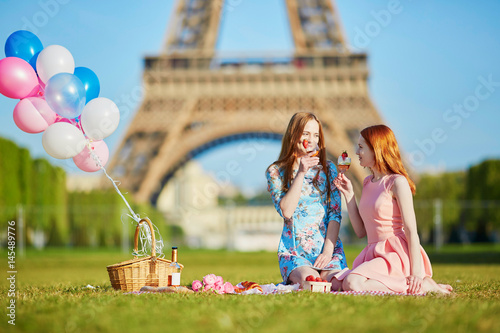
pixel 305 143
pixel 318 279
pixel 344 155
pixel 310 278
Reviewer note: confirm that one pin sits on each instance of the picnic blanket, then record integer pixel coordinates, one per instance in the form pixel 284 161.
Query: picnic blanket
pixel 271 289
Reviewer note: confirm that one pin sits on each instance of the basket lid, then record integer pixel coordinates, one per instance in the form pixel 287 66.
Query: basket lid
pixel 135 260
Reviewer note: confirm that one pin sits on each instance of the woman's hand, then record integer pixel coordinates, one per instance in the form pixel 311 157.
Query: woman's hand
pixel 344 185
pixel 323 260
pixel 414 284
pixel 307 162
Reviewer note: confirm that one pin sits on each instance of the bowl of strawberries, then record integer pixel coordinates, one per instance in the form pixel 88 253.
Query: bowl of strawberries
pixel 316 284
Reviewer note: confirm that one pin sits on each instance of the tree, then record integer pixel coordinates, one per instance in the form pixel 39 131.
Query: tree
pixel 449 187
pixel 482 188
pixel 64 218
pixel 9 179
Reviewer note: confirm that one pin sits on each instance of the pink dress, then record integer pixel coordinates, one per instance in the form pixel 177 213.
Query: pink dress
pixel 386 257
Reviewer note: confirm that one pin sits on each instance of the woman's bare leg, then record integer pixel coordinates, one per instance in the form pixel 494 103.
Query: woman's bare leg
pixel 329 276
pixel 446 287
pixel 355 282
pixel 430 285
pixel 299 274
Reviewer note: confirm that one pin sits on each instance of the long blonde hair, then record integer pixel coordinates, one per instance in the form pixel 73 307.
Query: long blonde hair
pixel 382 142
pixel 288 152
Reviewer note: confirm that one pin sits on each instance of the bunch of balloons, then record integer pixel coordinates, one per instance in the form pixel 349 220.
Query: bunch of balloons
pixel 58 99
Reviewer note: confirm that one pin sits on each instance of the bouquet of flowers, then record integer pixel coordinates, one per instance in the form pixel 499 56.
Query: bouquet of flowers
pixel 213 283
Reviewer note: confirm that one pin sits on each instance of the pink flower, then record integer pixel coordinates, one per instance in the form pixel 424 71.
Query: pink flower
pixel 196 285
pixel 219 289
pixel 209 287
pixel 209 279
pixel 228 288
pixel 219 280
pixel 213 283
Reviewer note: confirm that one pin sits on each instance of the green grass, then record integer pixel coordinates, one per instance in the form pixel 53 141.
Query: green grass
pixel 52 297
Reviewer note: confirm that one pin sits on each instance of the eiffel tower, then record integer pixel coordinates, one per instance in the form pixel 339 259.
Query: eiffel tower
pixel 195 100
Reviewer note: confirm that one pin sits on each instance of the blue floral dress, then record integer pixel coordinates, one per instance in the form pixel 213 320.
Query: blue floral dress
pixel 304 234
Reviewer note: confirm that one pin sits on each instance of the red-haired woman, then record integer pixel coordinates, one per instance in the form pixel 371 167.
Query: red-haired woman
pixel 309 203
pixel 393 260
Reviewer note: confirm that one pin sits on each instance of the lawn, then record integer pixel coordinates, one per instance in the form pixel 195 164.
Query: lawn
pixel 52 297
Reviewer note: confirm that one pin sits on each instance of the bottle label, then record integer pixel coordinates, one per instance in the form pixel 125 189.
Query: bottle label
pixel 176 279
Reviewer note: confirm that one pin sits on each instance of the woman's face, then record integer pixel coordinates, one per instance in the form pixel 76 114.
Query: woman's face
pixel 365 154
pixel 310 133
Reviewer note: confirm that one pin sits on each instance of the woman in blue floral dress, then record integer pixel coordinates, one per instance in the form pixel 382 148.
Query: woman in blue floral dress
pixel 309 203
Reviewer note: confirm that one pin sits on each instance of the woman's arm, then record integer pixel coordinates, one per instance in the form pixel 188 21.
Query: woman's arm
pixel 332 235
pixel 345 186
pixel 291 199
pixel 333 219
pixel 402 192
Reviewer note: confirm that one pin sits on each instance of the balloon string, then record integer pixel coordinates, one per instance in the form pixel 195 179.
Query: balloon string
pixel 145 237
pixel 134 216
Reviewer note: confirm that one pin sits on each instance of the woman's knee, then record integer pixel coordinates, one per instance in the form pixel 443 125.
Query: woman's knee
pixel 299 274
pixel 336 284
pixel 352 282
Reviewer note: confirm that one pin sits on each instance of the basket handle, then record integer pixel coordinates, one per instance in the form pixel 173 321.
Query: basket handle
pixel 136 236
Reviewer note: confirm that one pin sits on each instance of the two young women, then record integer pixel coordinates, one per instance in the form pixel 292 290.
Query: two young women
pixel 309 201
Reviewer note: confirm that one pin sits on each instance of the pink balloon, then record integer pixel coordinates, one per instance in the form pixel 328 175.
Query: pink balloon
pixel 84 160
pixel 74 122
pixel 42 85
pixel 17 78
pixel 33 115
pixel 39 90
pixel 60 119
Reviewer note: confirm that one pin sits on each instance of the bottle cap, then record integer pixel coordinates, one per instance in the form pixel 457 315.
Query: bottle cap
pixel 174 247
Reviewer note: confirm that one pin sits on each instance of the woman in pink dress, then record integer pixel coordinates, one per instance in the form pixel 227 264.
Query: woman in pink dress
pixel 393 260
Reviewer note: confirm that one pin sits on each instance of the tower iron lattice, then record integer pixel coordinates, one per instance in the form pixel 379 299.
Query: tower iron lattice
pixel 195 99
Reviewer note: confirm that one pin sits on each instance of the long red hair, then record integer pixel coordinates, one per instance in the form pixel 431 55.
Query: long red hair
pixel 382 142
pixel 288 155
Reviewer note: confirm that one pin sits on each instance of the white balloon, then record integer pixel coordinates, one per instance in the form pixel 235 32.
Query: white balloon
pixel 52 60
pixel 63 140
pixel 100 118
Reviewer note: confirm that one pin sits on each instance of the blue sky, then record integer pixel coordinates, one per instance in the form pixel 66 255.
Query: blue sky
pixel 434 67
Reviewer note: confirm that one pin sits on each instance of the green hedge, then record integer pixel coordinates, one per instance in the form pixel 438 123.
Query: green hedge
pixel 470 202
pixel 65 218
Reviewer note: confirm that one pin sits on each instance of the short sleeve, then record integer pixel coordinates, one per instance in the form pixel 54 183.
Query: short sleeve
pixel 275 186
pixel 334 210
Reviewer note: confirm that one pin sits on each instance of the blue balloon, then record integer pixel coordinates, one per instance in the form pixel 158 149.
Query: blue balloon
pixel 33 61
pixel 65 94
pixel 90 82
pixel 23 44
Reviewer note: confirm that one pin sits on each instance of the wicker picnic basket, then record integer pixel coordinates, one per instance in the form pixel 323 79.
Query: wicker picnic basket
pixel 132 275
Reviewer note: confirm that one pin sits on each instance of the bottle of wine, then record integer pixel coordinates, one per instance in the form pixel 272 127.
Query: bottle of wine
pixel 176 269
